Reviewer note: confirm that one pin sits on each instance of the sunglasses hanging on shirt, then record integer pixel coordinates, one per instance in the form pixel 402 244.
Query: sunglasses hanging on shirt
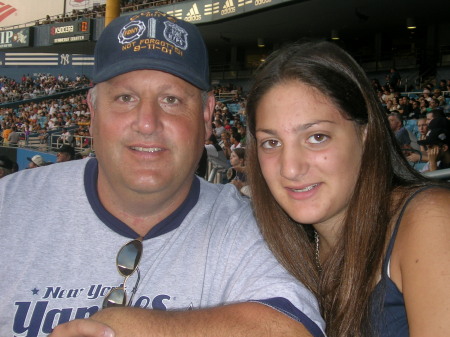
pixel 127 262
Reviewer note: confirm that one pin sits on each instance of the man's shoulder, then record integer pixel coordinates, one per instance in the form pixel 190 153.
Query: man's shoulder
pixel 223 197
pixel 50 176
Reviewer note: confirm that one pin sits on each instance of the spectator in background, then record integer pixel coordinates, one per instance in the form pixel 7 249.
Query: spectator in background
pixel 415 109
pixel 437 143
pixel 7 129
pixel 219 128
pixel 405 107
pixel 66 137
pixel 422 127
pixel 13 137
pixel 401 133
pixel 65 153
pixel 423 106
pixel 36 161
pixel 442 85
pixel 7 166
pixel 433 105
pixel 437 113
pixel 426 93
pixel 237 174
pixel 235 141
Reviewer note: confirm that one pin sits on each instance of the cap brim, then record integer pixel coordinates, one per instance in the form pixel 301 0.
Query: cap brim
pixel 148 63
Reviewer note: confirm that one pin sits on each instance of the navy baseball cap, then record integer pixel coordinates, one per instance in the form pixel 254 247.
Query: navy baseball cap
pixel 152 40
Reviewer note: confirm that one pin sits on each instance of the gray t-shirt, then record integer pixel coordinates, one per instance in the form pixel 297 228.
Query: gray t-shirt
pixel 59 246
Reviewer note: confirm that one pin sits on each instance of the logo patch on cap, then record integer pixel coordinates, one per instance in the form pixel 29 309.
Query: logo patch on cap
pixel 131 31
pixel 176 35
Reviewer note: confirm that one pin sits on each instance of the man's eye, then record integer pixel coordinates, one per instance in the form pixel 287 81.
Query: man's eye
pixel 317 138
pixel 125 98
pixel 170 100
pixel 270 144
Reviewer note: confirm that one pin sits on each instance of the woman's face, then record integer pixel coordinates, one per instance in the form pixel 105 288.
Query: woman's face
pixel 234 159
pixel 309 153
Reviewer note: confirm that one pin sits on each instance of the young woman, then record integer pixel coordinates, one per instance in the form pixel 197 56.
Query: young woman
pixel 337 202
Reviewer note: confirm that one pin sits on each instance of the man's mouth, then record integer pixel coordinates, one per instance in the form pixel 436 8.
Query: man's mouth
pixel 146 149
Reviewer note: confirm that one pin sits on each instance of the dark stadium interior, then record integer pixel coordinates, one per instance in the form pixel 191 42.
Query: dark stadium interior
pixel 367 29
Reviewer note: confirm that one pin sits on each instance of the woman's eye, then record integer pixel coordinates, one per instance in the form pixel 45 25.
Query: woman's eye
pixel 270 144
pixel 317 138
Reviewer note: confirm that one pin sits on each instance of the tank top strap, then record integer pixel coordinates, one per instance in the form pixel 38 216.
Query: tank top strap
pixel 397 225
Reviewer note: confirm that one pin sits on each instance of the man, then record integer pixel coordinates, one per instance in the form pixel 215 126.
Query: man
pixel 401 133
pixel 36 161
pixel 13 137
pixel 437 118
pixel 434 104
pixel 65 153
pixel 437 143
pixel 422 127
pixel 66 137
pixel 405 106
pixel 219 128
pixel 196 264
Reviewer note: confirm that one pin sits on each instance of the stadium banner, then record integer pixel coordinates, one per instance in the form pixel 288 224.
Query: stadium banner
pixel 73 31
pixel 15 12
pixel 202 11
pixel 14 38
pixel 82 4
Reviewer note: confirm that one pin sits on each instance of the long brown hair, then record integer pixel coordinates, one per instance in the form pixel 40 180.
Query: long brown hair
pixel 345 286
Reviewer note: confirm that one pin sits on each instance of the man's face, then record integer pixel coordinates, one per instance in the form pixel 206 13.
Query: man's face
pixel 394 123
pixel 429 118
pixel 62 157
pixel 149 129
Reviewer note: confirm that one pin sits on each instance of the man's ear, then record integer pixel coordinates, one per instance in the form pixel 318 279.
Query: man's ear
pixel 208 111
pixel 444 148
pixel 91 110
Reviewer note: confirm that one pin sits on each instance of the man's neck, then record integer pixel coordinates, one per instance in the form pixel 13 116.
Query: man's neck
pixel 141 212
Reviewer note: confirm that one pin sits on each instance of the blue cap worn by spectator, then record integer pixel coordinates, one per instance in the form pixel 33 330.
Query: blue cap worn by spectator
pixel 152 40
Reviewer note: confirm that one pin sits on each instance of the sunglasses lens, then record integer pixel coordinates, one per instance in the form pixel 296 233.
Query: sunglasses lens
pixel 128 257
pixel 116 298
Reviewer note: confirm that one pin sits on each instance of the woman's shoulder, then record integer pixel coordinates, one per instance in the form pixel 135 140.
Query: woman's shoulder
pixel 422 219
pixel 419 262
pixel 429 198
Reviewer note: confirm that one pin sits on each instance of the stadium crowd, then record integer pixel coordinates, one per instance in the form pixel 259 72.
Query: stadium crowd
pixel 68 118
